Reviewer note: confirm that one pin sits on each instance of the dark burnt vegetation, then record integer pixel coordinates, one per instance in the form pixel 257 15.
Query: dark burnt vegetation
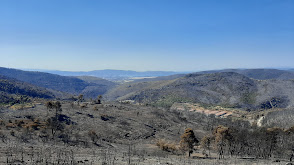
pixel 282 119
pixel 257 143
pixel 117 126
pixel 275 102
pixel 238 138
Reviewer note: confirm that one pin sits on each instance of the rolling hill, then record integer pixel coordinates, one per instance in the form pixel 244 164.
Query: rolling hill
pixel 46 80
pixel 14 91
pixel 265 74
pixel 228 89
pixel 71 85
pixel 259 74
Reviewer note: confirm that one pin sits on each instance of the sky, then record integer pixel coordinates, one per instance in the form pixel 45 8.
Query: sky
pixel 146 35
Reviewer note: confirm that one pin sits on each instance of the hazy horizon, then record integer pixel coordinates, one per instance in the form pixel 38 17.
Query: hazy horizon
pixel 151 35
pixel 44 70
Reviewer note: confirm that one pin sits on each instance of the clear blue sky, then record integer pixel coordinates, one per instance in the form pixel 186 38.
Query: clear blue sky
pixel 175 35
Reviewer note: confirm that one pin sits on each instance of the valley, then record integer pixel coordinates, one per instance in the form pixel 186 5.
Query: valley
pixel 143 121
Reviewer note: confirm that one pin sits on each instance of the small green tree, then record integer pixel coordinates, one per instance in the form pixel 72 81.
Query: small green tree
pixel 188 141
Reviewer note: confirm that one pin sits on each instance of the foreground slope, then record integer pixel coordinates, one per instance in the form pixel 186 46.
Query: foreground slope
pixel 115 133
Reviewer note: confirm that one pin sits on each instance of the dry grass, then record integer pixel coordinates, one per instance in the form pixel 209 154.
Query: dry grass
pixel 166 146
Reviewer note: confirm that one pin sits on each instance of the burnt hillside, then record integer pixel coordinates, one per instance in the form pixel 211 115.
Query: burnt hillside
pixel 228 89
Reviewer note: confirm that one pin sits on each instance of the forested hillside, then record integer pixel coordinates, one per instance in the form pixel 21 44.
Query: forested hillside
pixel 14 91
pixel 71 85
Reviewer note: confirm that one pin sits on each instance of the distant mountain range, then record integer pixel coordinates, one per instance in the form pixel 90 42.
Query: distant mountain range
pixel 110 74
pixel 261 74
